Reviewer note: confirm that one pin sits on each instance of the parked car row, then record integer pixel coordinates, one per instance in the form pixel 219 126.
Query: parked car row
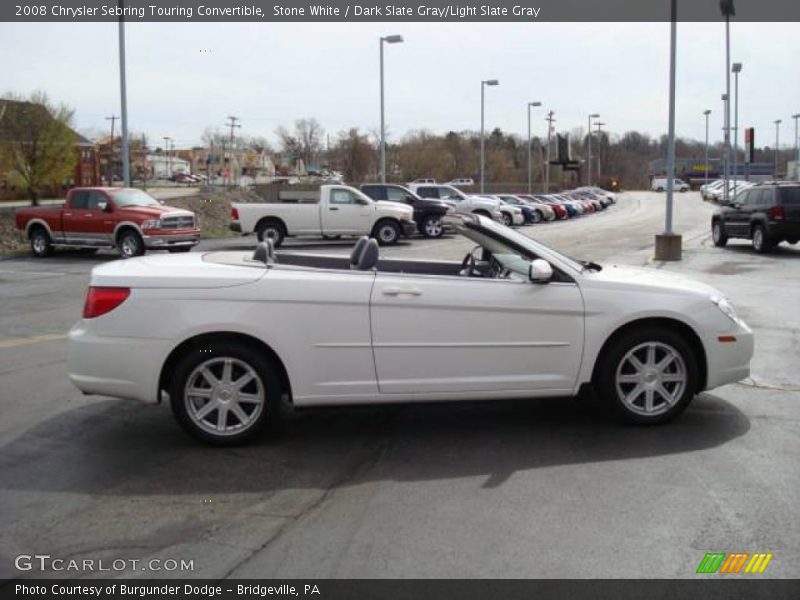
pixel 715 191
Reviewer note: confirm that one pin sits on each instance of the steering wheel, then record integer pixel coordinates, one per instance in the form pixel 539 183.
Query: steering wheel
pixel 469 265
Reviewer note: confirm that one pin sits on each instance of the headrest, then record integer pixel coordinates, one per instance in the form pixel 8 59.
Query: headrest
pixel 369 257
pixel 357 250
pixel 265 252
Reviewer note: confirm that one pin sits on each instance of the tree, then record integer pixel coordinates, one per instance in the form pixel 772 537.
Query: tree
pixel 354 155
pixel 304 143
pixel 37 143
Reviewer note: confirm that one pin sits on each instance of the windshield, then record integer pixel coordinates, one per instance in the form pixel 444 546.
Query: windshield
pixel 133 198
pixel 493 240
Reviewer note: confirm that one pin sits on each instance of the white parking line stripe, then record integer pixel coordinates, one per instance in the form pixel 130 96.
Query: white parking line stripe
pixel 34 339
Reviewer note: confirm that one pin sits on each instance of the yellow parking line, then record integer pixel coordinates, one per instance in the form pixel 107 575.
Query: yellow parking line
pixel 34 339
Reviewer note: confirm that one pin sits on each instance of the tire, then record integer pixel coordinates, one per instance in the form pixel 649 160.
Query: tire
pixel 431 226
pixel 643 396
pixel 270 228
pixel 537 217
pixel 130 244
pixel 660 189
pixel 386 232
pixel 204 371
pixel 41 246
pixel 718 234
pixel 761 243
pixel 508 220
pixel 792 241
pixel 179 249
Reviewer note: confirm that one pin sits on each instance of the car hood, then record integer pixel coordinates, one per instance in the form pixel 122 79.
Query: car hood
pixel 654 279
pixel 184 271
pixel 156 211
pixel 394 206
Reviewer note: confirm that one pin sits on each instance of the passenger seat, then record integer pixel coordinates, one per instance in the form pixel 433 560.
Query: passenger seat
pixel 369 257
pixel 358 250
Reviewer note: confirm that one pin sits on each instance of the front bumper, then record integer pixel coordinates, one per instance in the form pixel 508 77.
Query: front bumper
pixel 171 240
pixel 408 227
pixel 728 361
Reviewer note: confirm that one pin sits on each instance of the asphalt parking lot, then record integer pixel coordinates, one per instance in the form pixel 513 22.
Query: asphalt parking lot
pixel 544 488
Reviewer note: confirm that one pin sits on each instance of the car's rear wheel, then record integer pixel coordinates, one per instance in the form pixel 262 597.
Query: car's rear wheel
pixel 270 229
pixel 537 217
pixel 386 232
pixel 648 376
pixel 130 244
pixel 508 220
pixel 761 243
pixel 659 189
pixel 718 234
pixel 432 227
pixel 224 394
pixel 41 245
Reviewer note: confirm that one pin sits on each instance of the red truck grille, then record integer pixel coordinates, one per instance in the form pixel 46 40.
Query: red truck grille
pixel 177 222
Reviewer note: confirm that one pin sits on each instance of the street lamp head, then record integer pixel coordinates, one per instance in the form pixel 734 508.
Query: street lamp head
pixel 737 67
pixel 534 103
pixel 707 112
pixel 594 116
pixel 490 82
pixel 797 116
pixel 392 39
pixel 724 96
pixel 777 121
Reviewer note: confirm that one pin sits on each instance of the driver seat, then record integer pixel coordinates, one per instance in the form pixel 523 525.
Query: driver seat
pixel 358 250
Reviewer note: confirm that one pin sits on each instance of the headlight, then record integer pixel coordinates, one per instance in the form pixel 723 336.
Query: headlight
pixel 152 224
pixel 405 217
pixel 725 307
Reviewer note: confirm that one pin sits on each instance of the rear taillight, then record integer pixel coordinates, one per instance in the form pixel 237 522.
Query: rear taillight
pixel 234 214
pixel 101 300
pixel 776 213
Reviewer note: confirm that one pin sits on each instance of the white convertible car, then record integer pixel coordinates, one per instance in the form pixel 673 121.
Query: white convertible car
pixel 225 338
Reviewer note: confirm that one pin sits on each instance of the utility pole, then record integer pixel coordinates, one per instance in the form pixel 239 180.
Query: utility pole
pixel 389 39
pixel 232 124
pixel 144 162
pixel 737 68
pixel 589 152
pixel 728 11
pixel 167 140
pixel 550 120
pixel 706 113
pixel 777 142
pixel 110 170
pixel 796 148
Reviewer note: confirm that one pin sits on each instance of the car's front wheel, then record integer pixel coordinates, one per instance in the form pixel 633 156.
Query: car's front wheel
pixel 508 220
pixel 225 393
pixel 130 244
pixel 386 232
pixel 648 376
pixel 431 226
pixel 718 234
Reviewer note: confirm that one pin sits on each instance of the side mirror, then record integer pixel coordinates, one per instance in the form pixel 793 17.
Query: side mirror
pixel 104 206
pixel 540 271
pixel 162 202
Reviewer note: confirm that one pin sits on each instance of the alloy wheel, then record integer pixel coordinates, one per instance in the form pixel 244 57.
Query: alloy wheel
pixel 224 396
pixel 651 378
pixel 433 227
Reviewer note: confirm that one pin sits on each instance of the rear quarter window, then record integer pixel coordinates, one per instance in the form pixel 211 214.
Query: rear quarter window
pixel 376 192
pixel 789 196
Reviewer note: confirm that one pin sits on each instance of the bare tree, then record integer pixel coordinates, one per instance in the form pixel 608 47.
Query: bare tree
pixel 37 143
pixel 305 142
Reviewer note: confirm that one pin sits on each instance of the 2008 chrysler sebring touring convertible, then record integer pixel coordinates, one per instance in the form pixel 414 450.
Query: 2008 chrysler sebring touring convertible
pixel 227 338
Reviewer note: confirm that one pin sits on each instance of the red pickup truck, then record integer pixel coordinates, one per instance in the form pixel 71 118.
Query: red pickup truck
pixel 99 217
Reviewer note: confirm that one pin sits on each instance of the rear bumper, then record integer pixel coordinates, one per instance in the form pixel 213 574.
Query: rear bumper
pixel 113 366
pixel 171 240
pixel 235 226
pixel 783 230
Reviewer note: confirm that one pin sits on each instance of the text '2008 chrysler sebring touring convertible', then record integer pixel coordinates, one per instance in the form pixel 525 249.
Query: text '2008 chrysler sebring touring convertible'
pixel 225 338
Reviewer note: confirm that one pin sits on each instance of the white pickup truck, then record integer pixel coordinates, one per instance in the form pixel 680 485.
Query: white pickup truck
pixel 331 211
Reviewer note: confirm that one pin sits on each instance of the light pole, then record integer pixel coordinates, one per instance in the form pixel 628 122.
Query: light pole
pixel 550 120
pixel 530 104
pixel 706 113
pixel 589 152
pixel 737 68
pixel 728 11
pixel 777 139
pixel 484 83
pixel 725 155
pixel 389 39
pixel 599 141
pixel 796 148
pixel 668 244
pixel 123 95
pixel 167 140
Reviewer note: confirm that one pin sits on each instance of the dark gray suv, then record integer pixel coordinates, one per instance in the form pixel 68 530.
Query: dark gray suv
pixel 767 214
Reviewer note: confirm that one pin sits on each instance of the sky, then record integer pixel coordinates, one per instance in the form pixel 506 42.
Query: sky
pixel 185 77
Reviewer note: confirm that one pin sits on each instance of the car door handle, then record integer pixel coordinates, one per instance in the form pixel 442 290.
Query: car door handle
pixel 401 291
pixel 333 208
